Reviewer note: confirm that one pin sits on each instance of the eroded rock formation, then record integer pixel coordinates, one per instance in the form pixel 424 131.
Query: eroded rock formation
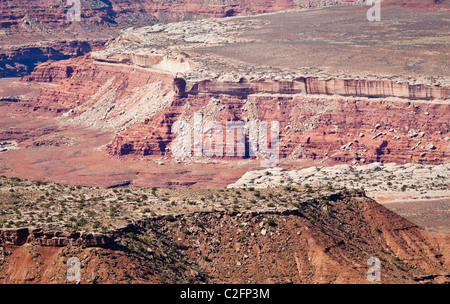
pixel 317 86
pixel 45 24
pixel 320 239
pixel 316 121
pixel 21 60
pixel 341 129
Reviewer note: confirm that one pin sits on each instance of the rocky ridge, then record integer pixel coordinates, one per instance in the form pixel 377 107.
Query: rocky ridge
pixel 321 236
pixel 372 177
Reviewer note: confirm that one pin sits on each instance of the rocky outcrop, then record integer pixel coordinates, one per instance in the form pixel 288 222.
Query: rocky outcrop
pixel 140 104
pixel 83 82
pixel 323 237
pixel 155 61
pixel 152 78
pixel 21 236
pixel 372 177
pixel 318 118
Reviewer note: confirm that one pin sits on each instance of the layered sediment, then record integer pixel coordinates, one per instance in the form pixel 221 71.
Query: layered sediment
pixel 20 60
pixel 316 86
pixel 46 24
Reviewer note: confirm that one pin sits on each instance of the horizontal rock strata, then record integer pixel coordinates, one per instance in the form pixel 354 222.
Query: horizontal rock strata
pixel 314 85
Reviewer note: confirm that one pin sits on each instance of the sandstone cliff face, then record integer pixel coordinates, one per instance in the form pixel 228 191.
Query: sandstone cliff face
pixel 155 61
pixel 314 85
pixel 343 130
pixel 319 119
pixel 82 83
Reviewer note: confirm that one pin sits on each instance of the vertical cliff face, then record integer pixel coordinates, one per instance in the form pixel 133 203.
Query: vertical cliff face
pixel 102 95
pixel 334 128
pixel 21 60
pixel 316 86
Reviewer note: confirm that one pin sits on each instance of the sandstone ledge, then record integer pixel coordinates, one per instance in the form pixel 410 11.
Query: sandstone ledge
pixel 317 86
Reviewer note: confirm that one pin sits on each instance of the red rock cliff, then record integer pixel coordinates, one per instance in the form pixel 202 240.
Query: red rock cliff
pixel 319 121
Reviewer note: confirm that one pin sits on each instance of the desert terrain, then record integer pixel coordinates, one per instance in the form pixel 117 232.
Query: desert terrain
pixel 92 164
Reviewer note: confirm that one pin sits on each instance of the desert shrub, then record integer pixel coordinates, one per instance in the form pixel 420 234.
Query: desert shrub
pixel 169 218
pixel 288 188
pixel 271 222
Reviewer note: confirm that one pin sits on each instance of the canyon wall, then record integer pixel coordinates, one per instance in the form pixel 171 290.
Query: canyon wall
pixel 315 85
pixel 82 81
pixel 21 236
pixel 156 61
pixel 335 128
pixel 317 120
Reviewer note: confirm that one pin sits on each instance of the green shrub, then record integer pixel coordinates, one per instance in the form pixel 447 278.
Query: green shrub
pixel 169 218
pixel 271 222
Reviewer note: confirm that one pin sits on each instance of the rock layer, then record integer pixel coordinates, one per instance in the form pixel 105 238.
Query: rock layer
pixel 321 239
pixel 21 236
pixel 315 126
pixel 372 177
pixel 340 129
pixel 153 78
pixel 317 86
